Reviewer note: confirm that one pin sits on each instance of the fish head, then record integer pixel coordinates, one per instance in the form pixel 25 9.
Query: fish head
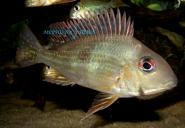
pixel 151 75
pixel 77 11
pixel 155 74
pixel 87 9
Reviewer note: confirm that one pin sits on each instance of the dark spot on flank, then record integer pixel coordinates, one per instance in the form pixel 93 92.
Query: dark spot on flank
pixel 84 54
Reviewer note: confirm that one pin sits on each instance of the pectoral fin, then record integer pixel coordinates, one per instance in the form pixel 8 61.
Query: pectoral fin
pixel 101 101
pixel 51 75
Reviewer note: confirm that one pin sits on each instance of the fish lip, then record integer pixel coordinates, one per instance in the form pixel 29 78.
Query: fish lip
pixel 151 91
pixel 168 86
pixel 171 84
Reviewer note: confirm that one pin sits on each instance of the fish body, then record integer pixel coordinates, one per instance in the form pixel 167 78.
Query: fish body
pixel 103 66
pixel 37 3
pixel 81 9
pixel 110 60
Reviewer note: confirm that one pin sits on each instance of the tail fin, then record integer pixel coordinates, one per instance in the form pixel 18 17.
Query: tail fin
pixel 28 49
pixel 118 3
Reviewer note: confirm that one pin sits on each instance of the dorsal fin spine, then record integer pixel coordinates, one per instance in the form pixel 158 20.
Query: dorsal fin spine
pixel 118 24
pixel 99 24
pixel 112 18
pixel 95 26
pixel 76 26
pixel 128 27
pixel 123 22
pixel 91 26
pixel 132 30
pixel 107 23
pixel 104 24
pixel 71 30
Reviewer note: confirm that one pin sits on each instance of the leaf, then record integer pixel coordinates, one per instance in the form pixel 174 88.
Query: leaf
pixel 138 2
pixel 176 39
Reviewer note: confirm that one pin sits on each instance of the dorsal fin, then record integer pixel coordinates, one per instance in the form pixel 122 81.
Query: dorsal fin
pixel 106 23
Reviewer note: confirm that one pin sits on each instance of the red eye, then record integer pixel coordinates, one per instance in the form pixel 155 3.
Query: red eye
pixel 147 64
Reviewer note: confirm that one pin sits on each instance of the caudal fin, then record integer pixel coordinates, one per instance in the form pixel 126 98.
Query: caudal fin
pixel 27 52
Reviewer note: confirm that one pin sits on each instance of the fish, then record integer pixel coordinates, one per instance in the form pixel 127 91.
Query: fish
pixel 110 60
pixel 38 3
pixel 94 6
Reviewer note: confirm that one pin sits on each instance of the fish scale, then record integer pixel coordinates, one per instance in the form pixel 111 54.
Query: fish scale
pixel 97 63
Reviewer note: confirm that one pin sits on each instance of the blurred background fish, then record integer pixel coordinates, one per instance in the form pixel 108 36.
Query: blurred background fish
pixel 36 3
pixel 81 9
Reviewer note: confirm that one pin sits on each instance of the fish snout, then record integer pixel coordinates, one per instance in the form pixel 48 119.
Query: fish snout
pixel 156 91
pixel 170 84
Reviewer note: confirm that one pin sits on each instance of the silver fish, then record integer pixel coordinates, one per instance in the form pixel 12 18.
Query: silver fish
pixel 110 60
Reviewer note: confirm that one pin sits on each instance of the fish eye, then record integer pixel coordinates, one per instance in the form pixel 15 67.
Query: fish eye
pixel 147 64
pixel 76 8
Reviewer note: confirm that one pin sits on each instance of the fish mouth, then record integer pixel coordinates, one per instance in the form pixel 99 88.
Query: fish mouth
pixel 167 86
pixel 151 91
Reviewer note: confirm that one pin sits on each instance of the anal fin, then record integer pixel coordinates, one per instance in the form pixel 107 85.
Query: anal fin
pixel 53 76
pixel 101 101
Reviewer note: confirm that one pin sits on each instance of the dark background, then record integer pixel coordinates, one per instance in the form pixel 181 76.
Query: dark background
pixel 29 80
